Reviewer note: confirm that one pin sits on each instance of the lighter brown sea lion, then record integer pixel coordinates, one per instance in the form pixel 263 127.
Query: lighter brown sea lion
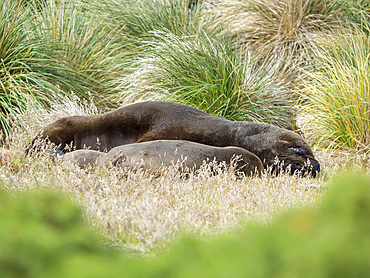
pixel 154 155
pixel 156 120
pixel 84 158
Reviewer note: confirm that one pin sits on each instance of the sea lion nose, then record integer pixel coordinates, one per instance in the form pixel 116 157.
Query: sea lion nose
pixel 312 168
pixel 295 168
pixel 315 167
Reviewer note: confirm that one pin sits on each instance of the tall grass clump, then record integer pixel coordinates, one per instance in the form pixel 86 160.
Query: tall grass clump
pixel 279 29
pixel 339 89
pixel 21 61
pixel 50 51
pixel 86 46
pixel 137 19
pixel 268 23
pixel 205 73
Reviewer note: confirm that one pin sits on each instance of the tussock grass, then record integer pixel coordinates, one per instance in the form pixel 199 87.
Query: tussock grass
pixel 280 29
pixel 138 19
pixel 356 11
pixel 205 73
pixel 261 23
pixel 87 47
pixel 338 89
pixel 21 77
pixel 47 53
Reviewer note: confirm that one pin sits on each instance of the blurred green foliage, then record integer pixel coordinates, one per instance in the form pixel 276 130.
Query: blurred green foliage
pixel 332 241
pixel 42 235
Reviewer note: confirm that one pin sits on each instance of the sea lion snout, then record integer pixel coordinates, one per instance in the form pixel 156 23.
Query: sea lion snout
pixel 311 167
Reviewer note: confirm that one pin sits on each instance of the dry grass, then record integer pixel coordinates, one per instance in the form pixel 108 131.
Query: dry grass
pixel 263 22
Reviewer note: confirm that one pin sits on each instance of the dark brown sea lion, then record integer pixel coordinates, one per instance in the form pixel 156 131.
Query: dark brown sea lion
pixel 156 120
pixel 154 155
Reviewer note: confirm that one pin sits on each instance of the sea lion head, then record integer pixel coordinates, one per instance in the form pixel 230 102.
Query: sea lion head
pixel 292 153
pixel 298 156
pixel 284 150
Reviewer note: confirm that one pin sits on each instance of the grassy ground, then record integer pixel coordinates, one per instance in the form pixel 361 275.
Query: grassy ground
pixel 147 212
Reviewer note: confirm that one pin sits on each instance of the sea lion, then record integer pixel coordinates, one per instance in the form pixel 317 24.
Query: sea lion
pixel 84 158
pixel 154 155
pixel 157 120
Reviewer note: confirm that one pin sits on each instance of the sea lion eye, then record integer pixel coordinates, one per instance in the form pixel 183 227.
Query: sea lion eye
pixel 298 150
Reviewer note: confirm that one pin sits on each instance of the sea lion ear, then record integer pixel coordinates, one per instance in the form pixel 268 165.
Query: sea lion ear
pixel 298 150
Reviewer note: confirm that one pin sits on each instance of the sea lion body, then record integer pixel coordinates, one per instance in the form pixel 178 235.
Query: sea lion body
pixel 84 158
pixel 157 120
pixel 154 155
